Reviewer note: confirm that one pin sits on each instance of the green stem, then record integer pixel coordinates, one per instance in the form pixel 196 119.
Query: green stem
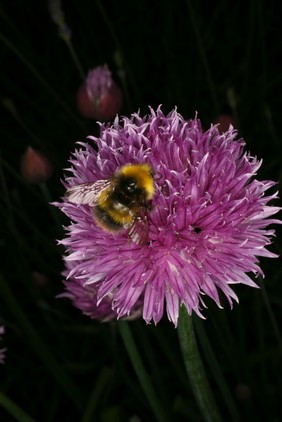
pixel 273 320
pixel 46 194
pixel 14 410
pixel 203 55
pixel 216 371
pixel 101 385
pixel 195 369
pixel 10 107
pixel 108 23
pixel 76 60
pixel 142 375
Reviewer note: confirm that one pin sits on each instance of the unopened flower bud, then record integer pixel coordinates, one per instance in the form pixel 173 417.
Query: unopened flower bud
pixel 35 167
pixel 40 279
pixel 99 97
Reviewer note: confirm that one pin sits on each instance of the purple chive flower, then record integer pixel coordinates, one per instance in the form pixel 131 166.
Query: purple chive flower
pixel 99 97
pixel 207 227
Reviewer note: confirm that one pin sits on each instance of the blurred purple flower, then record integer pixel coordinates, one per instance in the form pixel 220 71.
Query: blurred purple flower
pixel 99 97
pixel 207 226
pixel 84 297
pixel 58 17
pixel 2 351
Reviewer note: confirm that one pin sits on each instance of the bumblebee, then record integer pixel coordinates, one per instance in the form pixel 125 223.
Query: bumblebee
pixel 121 202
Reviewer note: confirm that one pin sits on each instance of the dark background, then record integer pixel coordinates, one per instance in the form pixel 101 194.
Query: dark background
pixel 211 57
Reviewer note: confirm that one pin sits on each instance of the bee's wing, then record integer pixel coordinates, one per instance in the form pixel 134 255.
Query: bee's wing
pixel 86 193
pixel 139 229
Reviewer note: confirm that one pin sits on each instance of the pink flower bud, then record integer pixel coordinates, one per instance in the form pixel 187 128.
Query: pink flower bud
pixel 35 167
pixel 99 97
pixel 40 279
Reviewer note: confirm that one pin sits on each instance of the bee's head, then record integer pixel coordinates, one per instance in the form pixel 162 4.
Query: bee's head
pixel 136 180
pixel 130 185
